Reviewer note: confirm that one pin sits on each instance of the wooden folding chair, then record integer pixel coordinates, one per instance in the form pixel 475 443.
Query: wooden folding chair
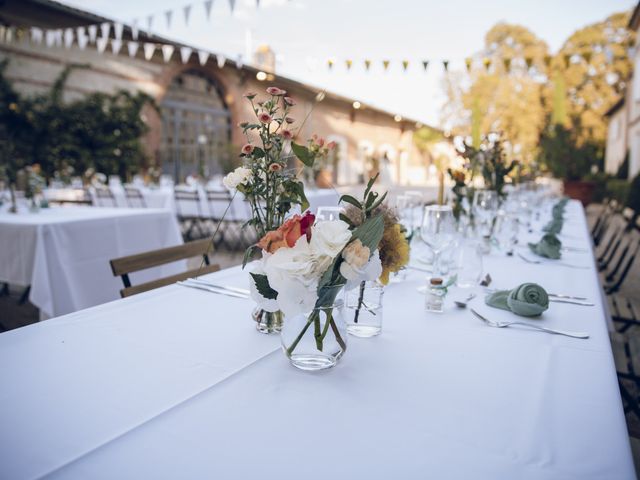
pixel 123 266
pixel 134 197
pixel 189 212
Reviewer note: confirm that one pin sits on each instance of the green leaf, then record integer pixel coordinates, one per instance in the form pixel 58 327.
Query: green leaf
pixel 370 199
pixel 351 200
pixel 247 253
pixel 347 220
pixel 262 284
pixel 380 200
pixel 370 232
pixel 257 152
pixel 304 204
pixel 370 184
pixel 303 154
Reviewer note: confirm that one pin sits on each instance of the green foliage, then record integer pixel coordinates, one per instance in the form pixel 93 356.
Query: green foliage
pixel 564 157
pixel 100 131
pixel 491 160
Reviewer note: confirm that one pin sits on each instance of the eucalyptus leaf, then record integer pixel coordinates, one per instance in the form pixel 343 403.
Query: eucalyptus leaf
pixel 263 287
pixel 303 154
pixel 352 200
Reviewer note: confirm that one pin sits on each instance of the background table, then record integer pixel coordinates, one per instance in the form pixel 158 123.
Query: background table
pixel 63 253
pixel 176 383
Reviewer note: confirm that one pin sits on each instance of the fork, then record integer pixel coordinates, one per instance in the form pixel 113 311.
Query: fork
pixel 544 329
pixel 540 262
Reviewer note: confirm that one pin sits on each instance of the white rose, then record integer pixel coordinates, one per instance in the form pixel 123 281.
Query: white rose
pixel 238 176
pixel 328 238
pixel 291 263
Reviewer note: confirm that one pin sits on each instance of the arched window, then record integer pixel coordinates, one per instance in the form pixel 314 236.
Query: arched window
pixel 196 127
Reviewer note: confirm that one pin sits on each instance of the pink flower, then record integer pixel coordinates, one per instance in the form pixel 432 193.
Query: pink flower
pixel 276 91
pixel 247 149
pixel 287 135
pixel 289 101
pixel 331 145
pixel 275 167
pixel 250 95
pixel 320 142
pixel 289 120
pixel 264 117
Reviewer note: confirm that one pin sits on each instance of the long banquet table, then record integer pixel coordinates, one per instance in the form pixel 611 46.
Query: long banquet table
pixel 176 383
pixel 63 253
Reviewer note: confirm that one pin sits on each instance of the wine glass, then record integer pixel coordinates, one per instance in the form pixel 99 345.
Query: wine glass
pixel 506 231
pixel 404 210
pixel 438 231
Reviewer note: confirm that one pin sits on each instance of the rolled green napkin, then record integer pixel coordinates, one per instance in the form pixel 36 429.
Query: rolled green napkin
pixel 549 246
pixel 527 300
pixel 554 226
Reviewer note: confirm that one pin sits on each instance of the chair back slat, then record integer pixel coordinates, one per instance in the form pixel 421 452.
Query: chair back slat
pixel 163 282
pixel 154 258
pixel 134 197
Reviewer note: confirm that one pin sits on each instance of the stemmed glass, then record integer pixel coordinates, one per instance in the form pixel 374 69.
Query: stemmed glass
pixel 438 231
pixel 485 208
pixel 404 211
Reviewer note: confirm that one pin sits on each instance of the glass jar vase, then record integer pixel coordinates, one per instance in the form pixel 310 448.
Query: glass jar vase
pixel 364 309
pixel 267 322
pixel 316 340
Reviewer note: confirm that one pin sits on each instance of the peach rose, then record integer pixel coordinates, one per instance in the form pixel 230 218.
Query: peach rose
pixel 288 233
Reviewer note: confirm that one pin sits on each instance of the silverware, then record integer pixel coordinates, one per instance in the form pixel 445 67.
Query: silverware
pixel 573 302
pixel 243 291
pixel 555 262
pixel 543 329
pixel 212 290
pixel 463 303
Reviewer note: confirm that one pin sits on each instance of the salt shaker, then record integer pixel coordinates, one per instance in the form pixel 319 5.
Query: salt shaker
pixel 435 296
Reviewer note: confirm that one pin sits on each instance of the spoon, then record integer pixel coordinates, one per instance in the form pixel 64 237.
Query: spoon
pixel 463 303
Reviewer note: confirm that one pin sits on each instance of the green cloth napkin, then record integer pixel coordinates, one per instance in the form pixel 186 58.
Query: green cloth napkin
pixel 527 300
pixel 554 226
pixel 549 246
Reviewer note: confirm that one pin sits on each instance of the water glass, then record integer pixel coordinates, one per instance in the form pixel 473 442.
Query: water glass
pixel 438 231
pixel 469 264
pixel 364 309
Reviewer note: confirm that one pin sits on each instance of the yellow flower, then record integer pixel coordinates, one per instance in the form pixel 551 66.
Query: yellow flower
pixel 394 251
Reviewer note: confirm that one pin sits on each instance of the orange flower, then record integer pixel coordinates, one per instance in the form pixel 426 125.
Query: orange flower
pixel 288 233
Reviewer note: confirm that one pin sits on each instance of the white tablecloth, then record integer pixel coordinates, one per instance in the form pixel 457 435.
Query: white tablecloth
pixel 176 383
pixel 64 253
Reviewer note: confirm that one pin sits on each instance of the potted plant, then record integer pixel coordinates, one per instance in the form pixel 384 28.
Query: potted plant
pixel 571 161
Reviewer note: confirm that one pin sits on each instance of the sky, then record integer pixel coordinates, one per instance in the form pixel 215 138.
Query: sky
pixel 306 33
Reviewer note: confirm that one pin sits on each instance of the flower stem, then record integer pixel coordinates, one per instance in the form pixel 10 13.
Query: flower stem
pixel 300 335
pixel 360 300
pixel 317 334
pixel 339 338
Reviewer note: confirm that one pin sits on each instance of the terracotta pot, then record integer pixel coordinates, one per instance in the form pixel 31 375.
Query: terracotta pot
pixel 580 190
pixel 324 179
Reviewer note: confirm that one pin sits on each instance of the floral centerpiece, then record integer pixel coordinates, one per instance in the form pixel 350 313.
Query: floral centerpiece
pixel 267 178
pixel 305 265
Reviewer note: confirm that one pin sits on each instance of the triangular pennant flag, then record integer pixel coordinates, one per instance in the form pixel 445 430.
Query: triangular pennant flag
pixel 232 5
pixel 330 64
pixel 93 32
pixel 220 60
pixel 239 62
pixel 132 47
pixel 529 62
pixel 49 38
pixel 567 60
pixel 149 50
pixel 487 63
pixel 167 51
pixel 547 60
pixel 134 30
pixel 105 28
pixel 149 23
pixel 507 64
pixel 367 64
pixel 68 37
pixel 36 35
pixel 349 63
pixel 185 54
pixel 116 45
pixel 587 57
pixel 58 37
pixel 101 43
pixel 203 57
pixel 405 65
pixel 385 64
pixel 168 15
pixel 445 65
pixel 186 10
pixel 207 8
pixel 425 64
pixel 117 30
pixel 467 62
